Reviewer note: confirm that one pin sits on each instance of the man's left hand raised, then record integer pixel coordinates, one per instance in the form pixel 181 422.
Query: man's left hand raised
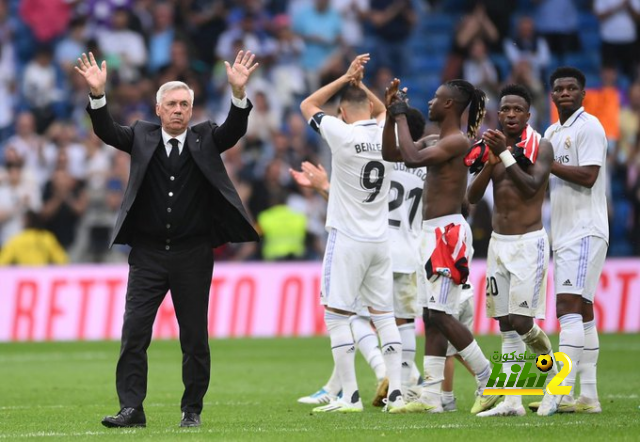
pixel 238 74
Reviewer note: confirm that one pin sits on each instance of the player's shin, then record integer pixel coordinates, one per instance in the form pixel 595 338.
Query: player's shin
pixel 343 349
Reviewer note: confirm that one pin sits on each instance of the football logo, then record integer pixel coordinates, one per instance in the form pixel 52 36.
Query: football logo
pixel 544 363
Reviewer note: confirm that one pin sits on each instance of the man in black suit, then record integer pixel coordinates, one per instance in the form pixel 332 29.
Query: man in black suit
pixel 179 205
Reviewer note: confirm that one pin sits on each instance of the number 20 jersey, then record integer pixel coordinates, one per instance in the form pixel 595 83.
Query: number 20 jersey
pixel 358 197
pixel 405 216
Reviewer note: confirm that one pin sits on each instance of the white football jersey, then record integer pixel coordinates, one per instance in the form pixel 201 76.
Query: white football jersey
pixel 358 199
pixel 405 216
pixel 576 211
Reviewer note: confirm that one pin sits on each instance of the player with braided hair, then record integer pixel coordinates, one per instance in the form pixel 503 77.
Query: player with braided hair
pixel 446 240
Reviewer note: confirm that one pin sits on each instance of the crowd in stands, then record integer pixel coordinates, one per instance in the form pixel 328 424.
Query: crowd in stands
pixel 53 166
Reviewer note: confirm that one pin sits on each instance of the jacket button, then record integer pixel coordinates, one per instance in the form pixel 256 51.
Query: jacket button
pixel 167 247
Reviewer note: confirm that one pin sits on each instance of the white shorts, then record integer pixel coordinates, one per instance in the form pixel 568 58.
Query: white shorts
pixel 443 294
pixel 517 274
pixel 356 274
pixel 405 296
pixel 464 313
pixel 578 265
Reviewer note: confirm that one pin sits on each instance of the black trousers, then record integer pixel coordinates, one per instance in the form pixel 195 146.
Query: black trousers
pixel 152 272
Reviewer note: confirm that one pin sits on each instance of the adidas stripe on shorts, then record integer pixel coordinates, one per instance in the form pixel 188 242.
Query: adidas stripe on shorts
pixel 517 274
pixel 578 265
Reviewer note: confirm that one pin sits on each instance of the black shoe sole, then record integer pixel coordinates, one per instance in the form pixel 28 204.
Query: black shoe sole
pixel 189 425
pixel 114 425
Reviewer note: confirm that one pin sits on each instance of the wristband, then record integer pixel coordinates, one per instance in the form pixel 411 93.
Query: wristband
pixel 95 97
pixel 507 159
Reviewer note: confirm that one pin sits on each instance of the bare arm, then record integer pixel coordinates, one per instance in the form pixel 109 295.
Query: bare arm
pixel 584 176
pixel 478 186
pixel 390 151
pixel 314 102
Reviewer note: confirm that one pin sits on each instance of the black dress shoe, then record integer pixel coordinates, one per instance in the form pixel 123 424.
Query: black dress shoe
pixel 126 418
pixel 190 419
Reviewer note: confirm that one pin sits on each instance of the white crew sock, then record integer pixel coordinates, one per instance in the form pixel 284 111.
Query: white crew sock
pixel 344 351
pixel 333 384
pixel 367 342
pixel 589 361
pixel 478 363
pixel 433 377
pixel 391 347
pixel 572 344
pixel 511 343
pixel 410 372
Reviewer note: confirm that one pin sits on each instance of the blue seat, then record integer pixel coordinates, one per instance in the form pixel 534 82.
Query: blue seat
pixel 436 22
pixel 430 64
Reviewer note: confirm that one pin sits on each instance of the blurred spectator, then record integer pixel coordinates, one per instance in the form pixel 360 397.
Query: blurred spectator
pixel 204 22
pixel 37 152
pixel 250 35
pixel 528 45
pixel 557 22
pixel 18 194
pixel 64 137
pixel 474 25
pixel 354 13
pixel 33 247
pixel 283 231
pixel 320 26
pixel 124 49
pixel 64 201
pixel 287 75
pixel 500 14
pixel 74 43
pixel 603 102
pixel 7 79
pixel 618 32
pixel 479 70
pixel 628 149
pixel 100 12
pixel 46 19
pixel 270 188
pixel 40 88
pixel 393 22
pixel 521 73
pixel 263 120
pixel 161 37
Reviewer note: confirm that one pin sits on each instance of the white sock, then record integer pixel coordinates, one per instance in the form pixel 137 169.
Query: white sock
pixel 367 342
pixel 538 342
pixel 391 347
pixel 589 361
pixel 511 343
pixel 433 377
pixel 409 369
pixel 447 397
pixel 344 351
pixel 333 384
pixel 572 343
pixel 478 362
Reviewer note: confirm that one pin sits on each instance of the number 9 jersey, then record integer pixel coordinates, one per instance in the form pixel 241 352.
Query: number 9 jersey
pixel 358 199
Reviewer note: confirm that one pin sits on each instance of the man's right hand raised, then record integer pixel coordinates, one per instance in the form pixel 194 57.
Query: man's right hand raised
pixel 94 75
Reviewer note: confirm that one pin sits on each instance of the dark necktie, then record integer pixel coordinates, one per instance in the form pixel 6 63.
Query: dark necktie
pixel 174 155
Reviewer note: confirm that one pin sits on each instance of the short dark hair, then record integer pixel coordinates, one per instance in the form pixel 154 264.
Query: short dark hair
pixel 353 94
pixel 568 72
pixel 416 123
pixel 516 89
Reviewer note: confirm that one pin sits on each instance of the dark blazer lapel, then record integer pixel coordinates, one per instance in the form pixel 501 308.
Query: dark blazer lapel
pixel 152 139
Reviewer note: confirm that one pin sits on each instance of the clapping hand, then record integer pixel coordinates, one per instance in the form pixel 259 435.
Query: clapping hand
pixel 238 74
pixel 355 73
pixel 94 75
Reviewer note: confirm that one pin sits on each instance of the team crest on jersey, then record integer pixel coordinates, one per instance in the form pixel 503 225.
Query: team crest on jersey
pixel 567 143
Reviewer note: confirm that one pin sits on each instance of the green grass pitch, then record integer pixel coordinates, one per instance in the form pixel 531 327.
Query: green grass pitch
pixel 61 391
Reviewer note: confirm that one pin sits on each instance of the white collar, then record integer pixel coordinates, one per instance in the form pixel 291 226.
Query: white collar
pixel 181 138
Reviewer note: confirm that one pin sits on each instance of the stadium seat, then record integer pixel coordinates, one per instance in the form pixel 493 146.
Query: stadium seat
pixel 436 22
pixel 587 21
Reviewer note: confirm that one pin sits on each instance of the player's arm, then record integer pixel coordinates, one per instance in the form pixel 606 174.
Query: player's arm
pixel 390 151
pixel 478 186
pixel 584 176
pixel 314 102
pixel 419 154
pixel 593 145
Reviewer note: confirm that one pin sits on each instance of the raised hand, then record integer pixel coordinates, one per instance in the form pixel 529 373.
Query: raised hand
pixel 391 93
pixel 496 141
pixel 317 176
pixel 238 74
pixel 94 75
pixel 355 73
